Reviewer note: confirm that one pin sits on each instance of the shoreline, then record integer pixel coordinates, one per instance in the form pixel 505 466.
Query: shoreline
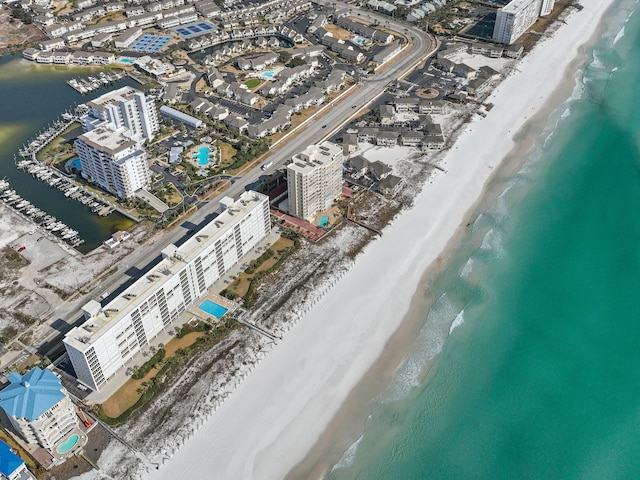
pixel 350 420
pixel 271 423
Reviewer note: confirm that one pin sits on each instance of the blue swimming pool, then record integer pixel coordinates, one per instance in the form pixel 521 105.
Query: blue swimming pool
pixel 73 164
pixel 126 60
pixel 212 308
pixel 68 444
pixel 324 221
pixel 358 40
pixel 203 156
pixel 267 74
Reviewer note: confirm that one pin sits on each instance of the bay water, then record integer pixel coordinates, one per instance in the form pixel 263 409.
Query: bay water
pixel 31 97
pixel 528 364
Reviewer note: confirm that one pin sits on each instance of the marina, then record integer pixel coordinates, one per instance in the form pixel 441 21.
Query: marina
pixel 43 138
pixel 56 179
pixel 38 216
pixel 84 85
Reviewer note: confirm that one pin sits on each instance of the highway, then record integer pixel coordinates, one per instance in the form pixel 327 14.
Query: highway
pixel 333 117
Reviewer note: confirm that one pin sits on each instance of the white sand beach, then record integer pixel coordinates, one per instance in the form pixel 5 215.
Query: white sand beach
pixel 278 413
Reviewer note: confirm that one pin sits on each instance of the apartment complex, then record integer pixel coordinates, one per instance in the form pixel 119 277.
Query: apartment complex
pixel 125 107
pixel 514 19
pixel 112 160
pixel 314 179
pixel 111 150
pixel 115 332
pixel 38 407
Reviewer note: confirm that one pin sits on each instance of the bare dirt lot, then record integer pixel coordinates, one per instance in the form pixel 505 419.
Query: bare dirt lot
pixel 14 34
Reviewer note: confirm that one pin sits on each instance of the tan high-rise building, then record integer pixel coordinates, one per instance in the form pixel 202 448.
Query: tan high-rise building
pixel 314 179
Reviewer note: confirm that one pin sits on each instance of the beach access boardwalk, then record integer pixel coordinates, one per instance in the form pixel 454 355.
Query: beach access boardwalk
pixel 362 224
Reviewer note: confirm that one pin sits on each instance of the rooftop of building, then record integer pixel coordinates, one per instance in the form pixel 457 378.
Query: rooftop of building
pixel 123 94
pixel 315 156
pixel 108 141
pixel 102 318
pixel 30 395
pixel 9 461
pixel 516 6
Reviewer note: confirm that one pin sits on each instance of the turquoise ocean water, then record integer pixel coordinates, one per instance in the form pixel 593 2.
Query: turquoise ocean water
pixel 535 335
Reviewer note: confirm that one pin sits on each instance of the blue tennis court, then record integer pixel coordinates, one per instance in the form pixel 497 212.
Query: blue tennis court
pixel 194 29
pixel 151 43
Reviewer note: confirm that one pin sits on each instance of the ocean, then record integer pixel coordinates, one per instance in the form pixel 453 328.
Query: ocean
pixel 528 365
pixel 32 97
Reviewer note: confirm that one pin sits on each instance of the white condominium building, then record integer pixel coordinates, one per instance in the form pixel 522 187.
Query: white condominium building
pixel 125 107
pixel 547 7
pixel 38 407
pixel 112 160
pixel 514 19
pixel 115 332
pixel 314 179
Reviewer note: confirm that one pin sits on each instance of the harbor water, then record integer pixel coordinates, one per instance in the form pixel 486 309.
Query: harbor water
pixel 32 97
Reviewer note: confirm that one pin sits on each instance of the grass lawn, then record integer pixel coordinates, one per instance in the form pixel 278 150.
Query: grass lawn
pixel 226 154
pixel 172 196
pixel 129 393
pixel 252 83
pixel 240 286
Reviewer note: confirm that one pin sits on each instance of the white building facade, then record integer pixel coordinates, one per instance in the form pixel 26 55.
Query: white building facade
pixel 125 107
pixel 314 179
pixel 547 7
pixel 115 332
pixel 114 161
pixel 38 407
pixel 514 19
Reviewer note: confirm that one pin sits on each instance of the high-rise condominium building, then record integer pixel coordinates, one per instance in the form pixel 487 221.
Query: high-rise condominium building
pixel 314 179
pixel 115 332
pixel 125 107
pixel 114 161
pixel 514 19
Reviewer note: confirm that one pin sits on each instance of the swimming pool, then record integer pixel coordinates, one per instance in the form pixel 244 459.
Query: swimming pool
pixel 268 74
pixel 68 444
pixel 203 156
pixel 324 221
pixel 358 40
pixel 212 308
pixel 73 163
pixel 126 60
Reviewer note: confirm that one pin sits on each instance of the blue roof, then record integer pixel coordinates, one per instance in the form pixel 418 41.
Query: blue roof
pixel 31 395
pixel 9 461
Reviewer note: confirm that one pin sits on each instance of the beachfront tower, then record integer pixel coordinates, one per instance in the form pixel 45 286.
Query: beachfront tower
pixel 125 107
pixel 115 332
pixel 113 160
pixel 514 19
pixel 38 407
pixel 547 7
pixel 314 179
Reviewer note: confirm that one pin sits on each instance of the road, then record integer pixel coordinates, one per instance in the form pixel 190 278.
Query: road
pixel 336 115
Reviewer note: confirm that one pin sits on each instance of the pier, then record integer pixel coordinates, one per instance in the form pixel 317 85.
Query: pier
pixel 84 85
pixel 31 149
pixel 54 178
pixel 40 217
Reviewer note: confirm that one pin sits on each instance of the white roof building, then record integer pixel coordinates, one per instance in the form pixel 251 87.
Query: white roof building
pixel 314 179
pixel 115 332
